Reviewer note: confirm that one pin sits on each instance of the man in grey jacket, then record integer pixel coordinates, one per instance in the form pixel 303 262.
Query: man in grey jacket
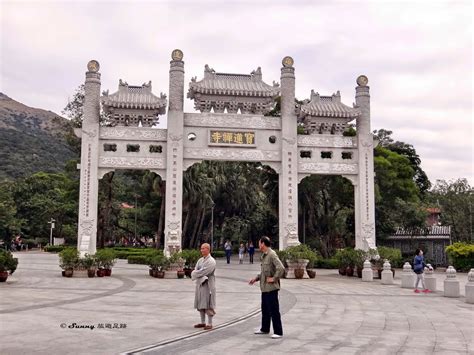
pixel 271 271
pixel 205 296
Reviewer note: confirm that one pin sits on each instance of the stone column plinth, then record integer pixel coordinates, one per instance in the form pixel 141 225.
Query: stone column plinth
pixel 451 284
pixel 367 272
pixel 470 287
pixel 408 276
pixel 430 280
pixel 387 274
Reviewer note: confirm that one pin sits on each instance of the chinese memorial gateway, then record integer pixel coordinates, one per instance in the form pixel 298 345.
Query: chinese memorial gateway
pixel 231 126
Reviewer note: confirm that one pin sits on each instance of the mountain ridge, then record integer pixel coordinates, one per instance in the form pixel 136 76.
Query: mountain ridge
pixel 32 140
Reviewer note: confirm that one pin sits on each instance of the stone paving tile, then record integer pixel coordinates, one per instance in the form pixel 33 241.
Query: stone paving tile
pixel 328 315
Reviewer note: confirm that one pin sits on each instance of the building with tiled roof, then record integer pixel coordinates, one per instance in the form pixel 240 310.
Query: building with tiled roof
pixel 222 92
pixel 133 105
pixel 326 114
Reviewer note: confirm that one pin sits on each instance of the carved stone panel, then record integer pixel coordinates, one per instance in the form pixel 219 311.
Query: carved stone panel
pixel 326 141
pixel 132 162
pixel 231 121
pixel 327 168
pixel 133 133
pixel 231 154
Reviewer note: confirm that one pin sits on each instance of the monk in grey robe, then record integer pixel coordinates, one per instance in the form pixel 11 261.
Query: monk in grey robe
pixel 205 296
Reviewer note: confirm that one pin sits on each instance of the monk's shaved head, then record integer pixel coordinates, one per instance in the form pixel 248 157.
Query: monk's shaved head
pixel 205 249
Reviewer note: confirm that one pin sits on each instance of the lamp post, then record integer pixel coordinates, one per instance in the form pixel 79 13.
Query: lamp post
pixel 51 222
pixel 212 224
pixel 136 208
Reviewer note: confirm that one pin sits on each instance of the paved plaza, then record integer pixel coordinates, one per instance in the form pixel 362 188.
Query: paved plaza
pixel 44 313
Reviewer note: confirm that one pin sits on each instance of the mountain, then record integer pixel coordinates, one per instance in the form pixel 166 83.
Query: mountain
pixel 32 140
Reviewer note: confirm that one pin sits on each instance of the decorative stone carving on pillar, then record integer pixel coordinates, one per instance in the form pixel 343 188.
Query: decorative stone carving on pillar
pixel 469 288
pixel 88 190
pixel 430 278
pixel 364 189
pixel 174 165
pixel 451 284
pixel 367 272
pixel 288 178
pixel 387 274
pixel 408 276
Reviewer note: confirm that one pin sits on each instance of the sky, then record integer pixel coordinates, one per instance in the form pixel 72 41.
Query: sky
pixel 416 54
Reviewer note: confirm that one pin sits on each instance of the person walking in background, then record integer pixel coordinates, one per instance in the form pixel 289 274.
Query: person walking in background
pixel 419 267
pixel 251 252
pixel 205 295
pixel 228 250
pixel 241 253
pixel 271 271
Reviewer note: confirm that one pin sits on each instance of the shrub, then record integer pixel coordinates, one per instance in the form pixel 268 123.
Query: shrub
pixel 105 258
pixel 7 261
pixel 54 248
pixel 461 255
pixel 331 263
pixel 218 254
pixel 138 259
pixel 346 257
pixel 299 252
pixel 68 258
pixel 191 256
pixel 393 255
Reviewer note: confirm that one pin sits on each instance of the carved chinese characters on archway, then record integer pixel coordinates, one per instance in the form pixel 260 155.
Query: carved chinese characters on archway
pixel 242 138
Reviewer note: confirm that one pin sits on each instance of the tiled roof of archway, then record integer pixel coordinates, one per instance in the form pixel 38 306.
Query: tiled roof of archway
pixel 134 97
pixel 215 83
pixel 327 106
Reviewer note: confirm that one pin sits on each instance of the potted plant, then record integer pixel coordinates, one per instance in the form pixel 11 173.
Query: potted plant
pixel 343 260
pixel 157 264
pixel 89 263
pixel 297 259
pixel 68 260
pixel 105 260
pixel 8 264
pixel 191 256
pixel 359 257
pixel 176 263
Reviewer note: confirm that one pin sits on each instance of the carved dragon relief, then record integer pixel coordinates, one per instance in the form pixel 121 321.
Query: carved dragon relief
pixel 321 141
pixel 231 121
pixel 131 162
pixel 133 133
pixel 326 168
pixel 87 226
pixel 232 154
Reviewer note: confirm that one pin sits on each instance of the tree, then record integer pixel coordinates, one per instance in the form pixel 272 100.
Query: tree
pixel 397 197
pixel 407 150
pixel 9 223
pixel 42 196
pixel 456 199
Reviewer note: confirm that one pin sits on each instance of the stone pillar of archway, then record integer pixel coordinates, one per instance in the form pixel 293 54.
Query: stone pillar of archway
pixel 288 178
pixel 364 188
pixel 174 155
pixel 89 184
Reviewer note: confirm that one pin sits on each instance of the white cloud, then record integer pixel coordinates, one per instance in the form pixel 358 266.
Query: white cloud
pixel 417 55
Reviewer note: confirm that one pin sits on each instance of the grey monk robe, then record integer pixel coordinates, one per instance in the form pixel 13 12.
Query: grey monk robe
pixel 205 296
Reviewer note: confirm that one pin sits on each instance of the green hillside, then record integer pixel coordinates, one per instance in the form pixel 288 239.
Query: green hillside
pixel 31 140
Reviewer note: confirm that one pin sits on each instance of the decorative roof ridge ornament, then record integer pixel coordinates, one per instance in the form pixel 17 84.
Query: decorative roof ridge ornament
pixel 362 80
pixel 232 93
pixel 315 96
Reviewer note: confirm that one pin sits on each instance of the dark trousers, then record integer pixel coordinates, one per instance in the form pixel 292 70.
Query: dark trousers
pixel 271 311
pixel 227 254
pixel 251 258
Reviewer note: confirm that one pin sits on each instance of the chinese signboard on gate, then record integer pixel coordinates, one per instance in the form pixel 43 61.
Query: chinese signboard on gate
pixel 239 138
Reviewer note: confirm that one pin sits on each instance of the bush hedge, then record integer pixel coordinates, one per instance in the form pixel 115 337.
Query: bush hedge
pixel 54 248
pixel 139 259
pixel 461 256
